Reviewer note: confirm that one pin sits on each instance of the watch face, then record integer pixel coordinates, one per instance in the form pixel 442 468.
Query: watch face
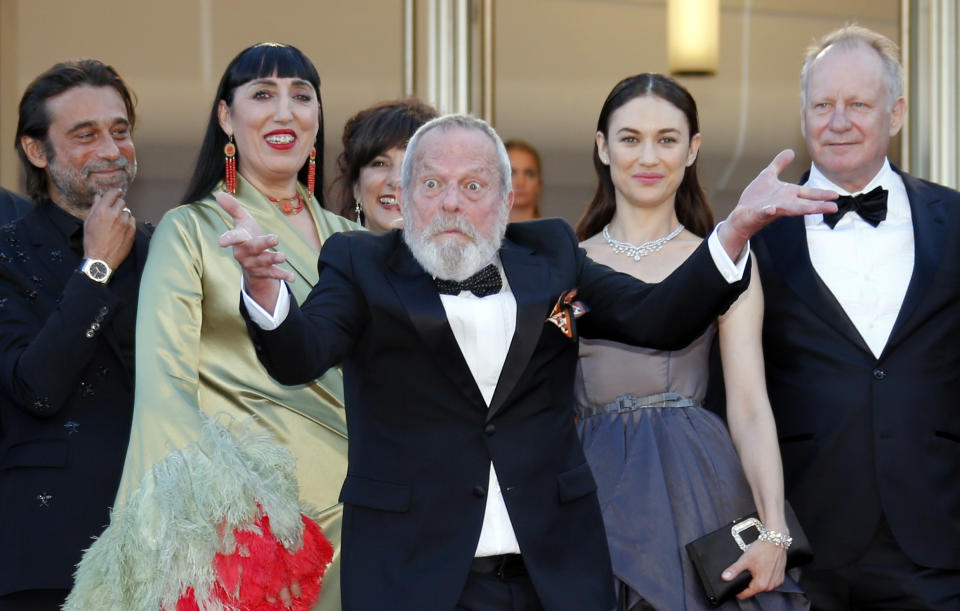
pixel 97 270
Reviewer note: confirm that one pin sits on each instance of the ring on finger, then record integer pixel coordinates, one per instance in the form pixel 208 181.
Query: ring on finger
pixel 128 210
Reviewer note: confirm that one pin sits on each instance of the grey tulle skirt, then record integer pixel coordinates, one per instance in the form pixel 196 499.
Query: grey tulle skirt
pixel 666 476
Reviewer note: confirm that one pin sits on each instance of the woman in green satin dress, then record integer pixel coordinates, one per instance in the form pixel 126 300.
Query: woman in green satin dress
pixel 198 468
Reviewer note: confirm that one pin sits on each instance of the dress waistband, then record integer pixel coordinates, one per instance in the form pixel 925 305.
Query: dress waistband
pixel 629 403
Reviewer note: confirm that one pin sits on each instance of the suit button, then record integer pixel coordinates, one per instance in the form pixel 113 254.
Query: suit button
pixel 479 492
pixel 490 429
pixel 879 374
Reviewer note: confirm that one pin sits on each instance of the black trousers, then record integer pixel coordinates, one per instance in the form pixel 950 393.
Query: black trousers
pixel 33 600
pixel 493 589
pixel 882 578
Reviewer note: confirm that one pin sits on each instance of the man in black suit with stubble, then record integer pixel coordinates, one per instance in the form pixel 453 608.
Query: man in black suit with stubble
pixel 467 487
pixel 69 279
pixel 862 346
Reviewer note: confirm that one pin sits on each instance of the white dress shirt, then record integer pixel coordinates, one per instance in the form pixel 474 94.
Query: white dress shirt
pixel 866 268
pixel 484 328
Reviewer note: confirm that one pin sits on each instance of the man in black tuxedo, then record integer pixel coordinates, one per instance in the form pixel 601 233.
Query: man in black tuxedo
pixel 467 487
pixel 862 346
pixel 12 206
pixel 69 279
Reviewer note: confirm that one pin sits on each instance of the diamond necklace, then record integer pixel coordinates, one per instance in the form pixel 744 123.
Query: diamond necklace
pixel 637 252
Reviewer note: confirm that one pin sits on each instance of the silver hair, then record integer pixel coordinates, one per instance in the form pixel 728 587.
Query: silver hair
pixel 447 123
pixel 852 36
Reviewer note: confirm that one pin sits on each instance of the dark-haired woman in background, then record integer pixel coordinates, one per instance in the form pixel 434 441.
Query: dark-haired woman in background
pixel 209 508
pixel 665 467
pixel 526 173
pixel 374 141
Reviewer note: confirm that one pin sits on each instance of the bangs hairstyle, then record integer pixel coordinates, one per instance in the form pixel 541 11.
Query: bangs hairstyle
pixel 263 60
pixel 693 209
pixel 369 133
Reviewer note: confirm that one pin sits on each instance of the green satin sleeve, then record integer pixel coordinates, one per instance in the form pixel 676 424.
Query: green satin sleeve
pixel 194 357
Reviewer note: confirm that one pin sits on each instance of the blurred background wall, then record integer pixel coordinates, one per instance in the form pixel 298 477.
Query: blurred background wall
pixel 554 63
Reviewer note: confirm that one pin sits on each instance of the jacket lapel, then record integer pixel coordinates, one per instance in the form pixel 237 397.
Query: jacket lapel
pixel 528 277
pixel 420 298
pixel 929 214
pixel 791 257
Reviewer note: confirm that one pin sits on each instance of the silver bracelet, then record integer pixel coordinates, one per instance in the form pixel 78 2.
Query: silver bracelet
pixel 777 538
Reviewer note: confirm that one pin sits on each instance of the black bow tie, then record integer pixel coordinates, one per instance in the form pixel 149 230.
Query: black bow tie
pixel 872 207
pixel 485 282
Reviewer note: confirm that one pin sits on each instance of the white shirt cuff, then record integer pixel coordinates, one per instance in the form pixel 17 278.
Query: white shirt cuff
pixel 731 271
pixel 262 318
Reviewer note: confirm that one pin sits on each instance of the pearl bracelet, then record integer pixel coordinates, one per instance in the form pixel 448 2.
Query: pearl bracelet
pixel 777 538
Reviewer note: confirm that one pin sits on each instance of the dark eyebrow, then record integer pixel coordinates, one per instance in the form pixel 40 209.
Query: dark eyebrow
pixel 665 130
pixel 82 125
pixel 266 81
pixel 89 124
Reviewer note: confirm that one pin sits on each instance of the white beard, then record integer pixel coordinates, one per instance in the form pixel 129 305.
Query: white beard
pixel 446 257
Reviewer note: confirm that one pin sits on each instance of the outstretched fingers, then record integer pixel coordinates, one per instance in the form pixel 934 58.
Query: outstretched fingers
pixel 251 247
pixel 231 206
pixel 780 162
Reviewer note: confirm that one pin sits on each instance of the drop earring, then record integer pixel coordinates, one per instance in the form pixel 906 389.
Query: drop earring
pixel 312 171
pixel 359 210
pixel 230 166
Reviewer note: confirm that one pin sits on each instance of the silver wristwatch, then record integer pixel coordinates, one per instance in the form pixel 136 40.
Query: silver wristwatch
pixel 97 270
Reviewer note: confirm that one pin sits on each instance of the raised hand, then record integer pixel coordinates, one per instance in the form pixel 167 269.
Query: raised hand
pixel 768 198
pixel 251 248
pixel 109 229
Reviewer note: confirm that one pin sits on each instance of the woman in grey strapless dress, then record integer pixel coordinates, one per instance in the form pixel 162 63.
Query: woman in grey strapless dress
pixel 667 470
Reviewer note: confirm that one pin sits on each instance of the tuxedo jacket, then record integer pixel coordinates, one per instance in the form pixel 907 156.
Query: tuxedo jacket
pixel 863 437
pixel 67 380
pixel 422 437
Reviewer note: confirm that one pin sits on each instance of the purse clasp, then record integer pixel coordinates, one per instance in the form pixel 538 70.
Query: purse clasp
pixel 741 526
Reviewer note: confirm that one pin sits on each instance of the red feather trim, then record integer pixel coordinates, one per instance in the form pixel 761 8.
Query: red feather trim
pixel 261 575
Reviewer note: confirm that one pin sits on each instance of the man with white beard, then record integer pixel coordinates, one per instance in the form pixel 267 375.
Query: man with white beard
pixel 467 487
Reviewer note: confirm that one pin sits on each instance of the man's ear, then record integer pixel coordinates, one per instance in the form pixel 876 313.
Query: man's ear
pixel 35 151
pixel 897 114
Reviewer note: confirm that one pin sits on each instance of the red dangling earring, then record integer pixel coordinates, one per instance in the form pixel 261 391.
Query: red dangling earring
pixel 312 171
pixel 230 164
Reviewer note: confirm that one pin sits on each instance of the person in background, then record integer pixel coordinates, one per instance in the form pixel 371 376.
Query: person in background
pixel 12 206
pixel 527 174
pixel 200 480
pixel 374 140
pixel 654 450
pixel 861 338
pixel 69 276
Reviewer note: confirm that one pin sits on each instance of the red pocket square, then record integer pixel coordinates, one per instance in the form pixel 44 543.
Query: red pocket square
pixel 566 310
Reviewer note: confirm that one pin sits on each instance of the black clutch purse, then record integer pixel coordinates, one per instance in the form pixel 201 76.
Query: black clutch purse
pixel 716 551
